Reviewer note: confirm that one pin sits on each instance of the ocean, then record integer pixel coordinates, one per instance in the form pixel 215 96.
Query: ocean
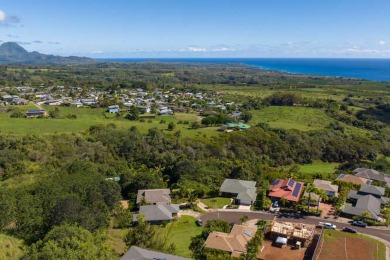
pixel 369 69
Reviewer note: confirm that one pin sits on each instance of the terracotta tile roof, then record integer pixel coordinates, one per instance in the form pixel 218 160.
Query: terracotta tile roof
pixel 288 189
pixel 235 242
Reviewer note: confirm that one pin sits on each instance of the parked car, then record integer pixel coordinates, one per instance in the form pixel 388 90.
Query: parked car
pixel 275 204
pixel 350 230
pixel 359 223
pixel 329 226
pixel 199 222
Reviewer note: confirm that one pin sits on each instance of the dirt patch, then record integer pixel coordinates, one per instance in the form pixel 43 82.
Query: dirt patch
pixel 125 204
pixel 343 247
pixel 270 252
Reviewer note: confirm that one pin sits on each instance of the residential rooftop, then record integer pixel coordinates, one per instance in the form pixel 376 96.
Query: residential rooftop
pixel 138 253
pixel 154 196
pixel 235 242
pixel 288 189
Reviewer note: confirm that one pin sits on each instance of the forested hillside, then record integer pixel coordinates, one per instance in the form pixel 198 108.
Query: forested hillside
pixel 61 184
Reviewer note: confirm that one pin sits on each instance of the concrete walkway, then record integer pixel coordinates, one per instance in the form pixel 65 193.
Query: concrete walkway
pixel 203 206
pixel 189 212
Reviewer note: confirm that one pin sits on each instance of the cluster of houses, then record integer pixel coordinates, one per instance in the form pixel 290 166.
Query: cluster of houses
pixel 155 207
pixel 157 101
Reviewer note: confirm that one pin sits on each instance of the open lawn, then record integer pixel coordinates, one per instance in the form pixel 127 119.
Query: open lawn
pixel 342 245
pixel 300 118
pixel 318 167
pixel 216 203
pixel 87 117
pixel 115 240
pixel 180 233
pixel 10 247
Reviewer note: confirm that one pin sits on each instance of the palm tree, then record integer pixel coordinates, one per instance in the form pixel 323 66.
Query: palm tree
pixel 310 188
pixel 321 195
pixel 386 214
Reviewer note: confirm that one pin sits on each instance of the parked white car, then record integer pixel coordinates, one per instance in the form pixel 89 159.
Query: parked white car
pixel 326 225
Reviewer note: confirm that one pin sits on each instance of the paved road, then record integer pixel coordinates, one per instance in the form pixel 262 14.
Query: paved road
pixel 234 217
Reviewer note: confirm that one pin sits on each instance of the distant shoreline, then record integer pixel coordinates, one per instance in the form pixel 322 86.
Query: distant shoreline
pixel 376 69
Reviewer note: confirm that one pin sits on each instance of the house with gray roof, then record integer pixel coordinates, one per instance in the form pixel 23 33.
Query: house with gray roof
pixel 138 253
pixel 366 203
pixel 373 175
pixel 368 198
pixel 154 196
pixel 243 191
pixel 155 214
pixel 330 189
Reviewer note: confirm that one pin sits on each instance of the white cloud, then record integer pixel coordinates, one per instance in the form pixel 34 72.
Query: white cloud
pixel 196 49
pixel 224 49
pixel 381 42
pixel 6 19
pixel 3 16
pixel 363 51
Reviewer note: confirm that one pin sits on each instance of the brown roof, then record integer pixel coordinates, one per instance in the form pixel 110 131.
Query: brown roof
pixel 234 242
pixel 353 179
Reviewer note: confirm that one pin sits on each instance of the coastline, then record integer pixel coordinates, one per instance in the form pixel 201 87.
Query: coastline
pixel 350 68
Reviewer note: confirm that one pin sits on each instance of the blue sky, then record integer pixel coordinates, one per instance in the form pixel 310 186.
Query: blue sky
pixel 202 28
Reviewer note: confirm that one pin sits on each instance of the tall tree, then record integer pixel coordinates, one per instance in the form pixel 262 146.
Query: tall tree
pixel 310 188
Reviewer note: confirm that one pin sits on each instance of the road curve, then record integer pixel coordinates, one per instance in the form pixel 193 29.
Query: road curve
pixel 234 218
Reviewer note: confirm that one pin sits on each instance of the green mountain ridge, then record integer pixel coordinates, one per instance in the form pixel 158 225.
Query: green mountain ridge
pixel 13 53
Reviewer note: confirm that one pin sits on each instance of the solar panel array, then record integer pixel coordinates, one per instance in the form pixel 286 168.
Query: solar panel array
pixel 276 182
pixel 296 189
pixel 290 182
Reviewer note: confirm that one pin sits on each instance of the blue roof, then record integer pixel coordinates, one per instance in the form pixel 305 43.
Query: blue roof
pixel 296 189
pixel 276 182
pixel 290 182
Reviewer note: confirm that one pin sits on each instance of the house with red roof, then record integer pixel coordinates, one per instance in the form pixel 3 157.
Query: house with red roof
pixel 287 189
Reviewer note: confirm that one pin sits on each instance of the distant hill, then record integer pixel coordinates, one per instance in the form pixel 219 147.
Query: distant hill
pixel 12 53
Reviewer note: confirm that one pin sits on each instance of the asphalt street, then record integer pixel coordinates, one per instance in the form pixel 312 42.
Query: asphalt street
pixel 234 218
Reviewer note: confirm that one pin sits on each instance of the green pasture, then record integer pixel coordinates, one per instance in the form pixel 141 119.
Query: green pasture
pixel 87 117
pixel 180 233
pixel 299 118
pixel 318 167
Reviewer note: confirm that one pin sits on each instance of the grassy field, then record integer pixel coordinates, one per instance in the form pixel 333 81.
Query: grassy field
pixel 180 233
pixel 299 118
pixel 216 203
pixel 318 167
pixel 87 117
pixel 324 92
pixel 10 247
pixel 115 240
pixel 338 245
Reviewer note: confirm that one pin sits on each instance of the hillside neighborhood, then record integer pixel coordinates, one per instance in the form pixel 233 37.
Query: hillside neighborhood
pixel 289 214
